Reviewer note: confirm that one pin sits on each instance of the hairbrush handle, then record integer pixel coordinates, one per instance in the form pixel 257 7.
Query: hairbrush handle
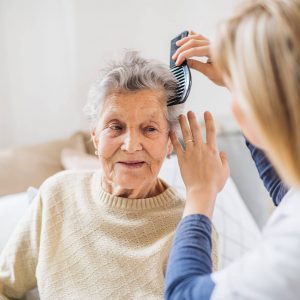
pixel 174 47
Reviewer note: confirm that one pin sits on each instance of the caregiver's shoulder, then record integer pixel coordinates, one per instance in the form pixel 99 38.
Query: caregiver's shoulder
pixel 290 206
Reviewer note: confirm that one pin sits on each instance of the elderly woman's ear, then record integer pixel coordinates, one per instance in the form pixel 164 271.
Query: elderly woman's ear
pixel 170 148
pixel 94 138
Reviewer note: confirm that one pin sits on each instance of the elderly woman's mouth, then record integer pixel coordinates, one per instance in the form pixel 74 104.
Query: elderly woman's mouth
pixel 132 164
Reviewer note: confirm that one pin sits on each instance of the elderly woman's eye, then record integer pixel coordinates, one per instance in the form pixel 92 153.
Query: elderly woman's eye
pixel 150 129
pixel 115 127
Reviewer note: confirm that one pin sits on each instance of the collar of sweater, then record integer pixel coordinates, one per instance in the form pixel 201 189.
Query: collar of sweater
pixel 168 198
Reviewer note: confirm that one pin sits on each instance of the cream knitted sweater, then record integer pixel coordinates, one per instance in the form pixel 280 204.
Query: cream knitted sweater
pixel 78 242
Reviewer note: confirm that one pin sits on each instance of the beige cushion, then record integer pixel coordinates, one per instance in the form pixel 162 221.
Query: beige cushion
pixel 25 166
pixel 77 160
pixel 88 142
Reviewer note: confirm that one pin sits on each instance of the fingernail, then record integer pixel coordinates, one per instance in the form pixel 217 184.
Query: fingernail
pixel 177 43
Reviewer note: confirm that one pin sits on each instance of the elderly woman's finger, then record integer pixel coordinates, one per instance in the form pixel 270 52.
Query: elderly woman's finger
pixel 190 44
pixel 186 132
pixel 177 146
pixel 195 128
pixel 198 51
pixel 211 139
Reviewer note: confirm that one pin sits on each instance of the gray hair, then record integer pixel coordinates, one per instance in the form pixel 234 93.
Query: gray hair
pixel 133 73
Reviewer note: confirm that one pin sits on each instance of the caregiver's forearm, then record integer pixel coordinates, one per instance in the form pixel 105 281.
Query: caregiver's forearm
pixel 190 265
pixel 272 182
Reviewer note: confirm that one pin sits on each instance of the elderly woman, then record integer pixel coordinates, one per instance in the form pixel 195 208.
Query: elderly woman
pixel 105 234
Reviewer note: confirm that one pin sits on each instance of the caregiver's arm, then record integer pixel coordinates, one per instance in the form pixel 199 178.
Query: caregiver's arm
pixel 190 260
pixel 189 268
pixel 272 182
pixel 269 271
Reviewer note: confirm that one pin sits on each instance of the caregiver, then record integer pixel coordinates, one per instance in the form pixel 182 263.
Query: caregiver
pixel 256 54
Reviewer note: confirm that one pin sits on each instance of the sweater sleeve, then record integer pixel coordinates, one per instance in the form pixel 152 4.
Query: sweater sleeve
pixel 268 174
pixel 190 265
pixel 18 259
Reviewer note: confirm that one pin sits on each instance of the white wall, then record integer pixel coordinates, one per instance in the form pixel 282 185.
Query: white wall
pixel 51 50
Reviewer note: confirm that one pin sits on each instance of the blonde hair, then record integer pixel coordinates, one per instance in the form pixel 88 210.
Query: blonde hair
pixel 258 49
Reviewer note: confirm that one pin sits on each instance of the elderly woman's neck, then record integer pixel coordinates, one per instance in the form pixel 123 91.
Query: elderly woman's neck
pixel 139 193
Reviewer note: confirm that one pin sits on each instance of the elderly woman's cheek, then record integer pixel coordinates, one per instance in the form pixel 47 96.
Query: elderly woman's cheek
pixel 107 144
pixel 107 148
pixel 158 152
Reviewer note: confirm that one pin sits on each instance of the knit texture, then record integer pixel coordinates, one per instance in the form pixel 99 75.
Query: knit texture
pixel 78 242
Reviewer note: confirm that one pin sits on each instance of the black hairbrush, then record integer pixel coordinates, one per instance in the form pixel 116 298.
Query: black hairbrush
pixel 182 74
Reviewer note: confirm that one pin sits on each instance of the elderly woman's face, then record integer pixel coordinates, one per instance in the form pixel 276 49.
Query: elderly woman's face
pixel 132 138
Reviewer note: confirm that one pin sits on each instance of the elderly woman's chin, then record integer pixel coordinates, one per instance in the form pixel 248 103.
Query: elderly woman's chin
pixel 134 175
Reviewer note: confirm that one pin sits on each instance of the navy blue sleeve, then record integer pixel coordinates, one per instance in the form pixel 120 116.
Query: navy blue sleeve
pixel 272 182
pixel 190 266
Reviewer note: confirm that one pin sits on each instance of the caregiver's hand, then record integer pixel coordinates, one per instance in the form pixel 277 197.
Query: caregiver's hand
pixel 204 170
pixel 196 45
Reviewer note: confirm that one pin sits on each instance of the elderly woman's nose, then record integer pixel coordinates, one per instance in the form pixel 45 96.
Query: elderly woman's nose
pixel 132 141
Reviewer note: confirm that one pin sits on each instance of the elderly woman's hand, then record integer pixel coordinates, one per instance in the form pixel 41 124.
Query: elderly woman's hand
pixel 204 170
pixel 196 45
